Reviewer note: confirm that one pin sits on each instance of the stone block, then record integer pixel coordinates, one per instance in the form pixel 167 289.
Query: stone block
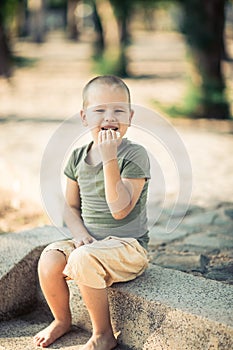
pixel 229 213
pixel 167 309
pixel 223 272
pixel 182 262
pixel 209 241
pixel 159 235
pixel 202 219
pixel 162 309
pixel 18 288
pixel 19 254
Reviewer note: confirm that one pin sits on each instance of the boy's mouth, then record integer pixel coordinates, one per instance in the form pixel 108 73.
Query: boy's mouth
pixel 109 128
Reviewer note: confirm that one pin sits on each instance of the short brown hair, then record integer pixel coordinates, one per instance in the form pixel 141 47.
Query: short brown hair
pixel 110 80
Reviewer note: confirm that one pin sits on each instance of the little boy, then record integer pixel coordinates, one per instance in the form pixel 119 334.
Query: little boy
pixel 105 211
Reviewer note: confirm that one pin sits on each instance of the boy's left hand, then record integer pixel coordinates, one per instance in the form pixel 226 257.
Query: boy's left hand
pixel 108 142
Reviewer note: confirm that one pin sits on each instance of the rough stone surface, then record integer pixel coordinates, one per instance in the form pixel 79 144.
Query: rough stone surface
pixel 158 235
pixel 171 309
pixel 175 306
pixel 173 334
pixel 18 287
pixel 19 254
pixel 202 244
pixel 18 334
pixel 182 262
pixel 209 241
pixel 14 247
pixel 206 218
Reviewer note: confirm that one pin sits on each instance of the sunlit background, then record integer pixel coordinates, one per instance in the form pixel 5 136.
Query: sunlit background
pixel 175 56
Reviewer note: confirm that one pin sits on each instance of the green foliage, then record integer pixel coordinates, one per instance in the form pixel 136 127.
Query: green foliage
pixel 56 4
pixel 203 26
pixel 184 109
pixel 110 64
pixel 122 8
pixel 7 11
pixel 196 103
pixel 175 111
pixel 199 33
pixel 21 62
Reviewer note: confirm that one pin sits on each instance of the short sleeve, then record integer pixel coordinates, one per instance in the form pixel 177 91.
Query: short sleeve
pixel 136 163
pixel 70 169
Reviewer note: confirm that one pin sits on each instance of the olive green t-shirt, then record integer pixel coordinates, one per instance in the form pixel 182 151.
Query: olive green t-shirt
pixel 133 162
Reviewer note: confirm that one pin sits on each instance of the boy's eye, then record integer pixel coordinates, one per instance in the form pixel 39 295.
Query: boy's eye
pixel 119 111
pixel 100 110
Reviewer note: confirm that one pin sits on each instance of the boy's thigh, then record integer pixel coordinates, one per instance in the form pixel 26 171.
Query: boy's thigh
pixel 113 259
pixel 123 259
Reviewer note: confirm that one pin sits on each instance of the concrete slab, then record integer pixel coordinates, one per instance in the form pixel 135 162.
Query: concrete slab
pixel 159 235
pixel 19 254
pixel 16 246
pixel 206 218
pixel 209 240
pixel 18 334
pixel 164 308
pixel 182 262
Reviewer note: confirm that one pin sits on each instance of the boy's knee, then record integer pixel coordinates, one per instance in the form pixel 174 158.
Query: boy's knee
pixel 79 256
pixel 82 259
pixel 84 267
pixel 51 261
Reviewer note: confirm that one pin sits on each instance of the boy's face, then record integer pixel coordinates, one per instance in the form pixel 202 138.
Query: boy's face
pixel 106 108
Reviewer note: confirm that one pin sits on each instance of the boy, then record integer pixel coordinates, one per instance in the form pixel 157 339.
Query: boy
pixel 106 213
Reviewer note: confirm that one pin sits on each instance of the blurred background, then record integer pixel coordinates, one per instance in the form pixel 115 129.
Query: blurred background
pixel 175 56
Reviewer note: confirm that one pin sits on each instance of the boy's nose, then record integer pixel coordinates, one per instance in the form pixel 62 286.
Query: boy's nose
pixel 109 116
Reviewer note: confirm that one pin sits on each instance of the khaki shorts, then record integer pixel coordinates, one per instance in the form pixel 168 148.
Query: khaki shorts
pixel 104 262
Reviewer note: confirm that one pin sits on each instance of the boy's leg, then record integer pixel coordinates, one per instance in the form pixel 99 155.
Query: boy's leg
pixel 96 301
pixel 97 265
pixel 56 292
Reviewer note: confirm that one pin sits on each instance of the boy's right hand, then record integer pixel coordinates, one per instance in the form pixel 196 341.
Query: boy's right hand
pixel 108 143
pixel 83 241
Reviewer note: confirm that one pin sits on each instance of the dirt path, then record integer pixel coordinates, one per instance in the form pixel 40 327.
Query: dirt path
pixel 40 97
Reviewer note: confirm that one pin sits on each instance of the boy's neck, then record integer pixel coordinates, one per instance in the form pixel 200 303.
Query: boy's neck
pixel 93 155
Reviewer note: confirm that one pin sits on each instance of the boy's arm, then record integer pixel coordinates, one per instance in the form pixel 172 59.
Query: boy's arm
pixel 72 215
pixel 121 194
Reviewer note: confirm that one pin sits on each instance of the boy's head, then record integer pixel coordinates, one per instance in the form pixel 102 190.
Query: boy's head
pixel 112 83
pixel 106 105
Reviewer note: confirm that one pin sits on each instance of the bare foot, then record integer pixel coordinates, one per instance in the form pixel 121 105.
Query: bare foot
pixel 101 342
pixel 51 333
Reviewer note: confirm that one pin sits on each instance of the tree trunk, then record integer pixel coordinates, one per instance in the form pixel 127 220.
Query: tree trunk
pixel 36 19
pixel 109 24
pixel 113 55
pixel 99 40
pixel 72 25
pixel 203 26
pixel 5 55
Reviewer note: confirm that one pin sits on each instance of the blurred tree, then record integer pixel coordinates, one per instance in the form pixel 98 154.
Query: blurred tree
pixel 203 26
pixel 7 12
pixel 99 41
pixel 123 10
pixel 113 19
pixel 36 10
pixel 5 56
pixel 109 55
pixel 72 28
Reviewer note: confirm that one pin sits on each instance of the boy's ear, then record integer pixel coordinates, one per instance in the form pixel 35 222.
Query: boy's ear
pixel 83 117
pixel 131 116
